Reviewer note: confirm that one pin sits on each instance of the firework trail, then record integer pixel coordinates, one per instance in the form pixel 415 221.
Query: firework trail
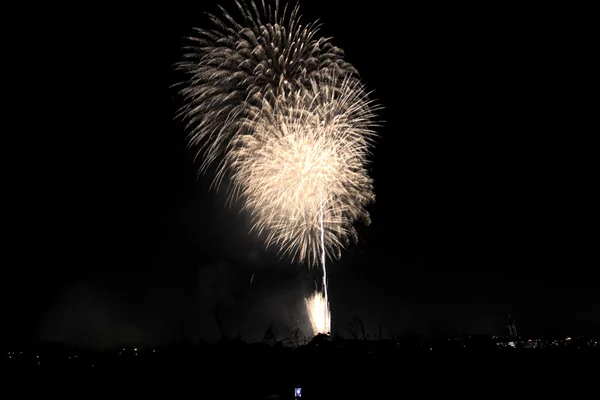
pixel 286 119
pixel 317 305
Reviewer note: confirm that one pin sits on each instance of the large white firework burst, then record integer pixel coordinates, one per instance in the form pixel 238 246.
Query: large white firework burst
pixel 240 63
pixel 285 117
pixel 303 170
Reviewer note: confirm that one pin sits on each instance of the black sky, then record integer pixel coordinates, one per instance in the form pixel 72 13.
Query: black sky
pixel 481 206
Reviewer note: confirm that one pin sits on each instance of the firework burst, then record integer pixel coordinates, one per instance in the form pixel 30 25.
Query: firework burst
pixel 286 119
pixel 237 65
pixel 303 170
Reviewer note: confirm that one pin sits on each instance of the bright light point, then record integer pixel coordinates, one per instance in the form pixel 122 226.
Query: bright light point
pixel 318 313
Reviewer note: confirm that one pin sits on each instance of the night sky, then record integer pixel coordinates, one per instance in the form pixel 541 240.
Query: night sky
pixel 481 207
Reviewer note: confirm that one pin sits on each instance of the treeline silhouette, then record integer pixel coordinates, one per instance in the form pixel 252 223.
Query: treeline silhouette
pixel 323 367
pixel 334 352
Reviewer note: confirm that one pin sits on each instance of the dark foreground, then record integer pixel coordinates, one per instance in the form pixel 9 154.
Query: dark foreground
pixel 322 368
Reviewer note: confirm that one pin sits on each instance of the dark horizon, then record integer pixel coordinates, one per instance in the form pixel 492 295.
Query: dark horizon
pixel 481 211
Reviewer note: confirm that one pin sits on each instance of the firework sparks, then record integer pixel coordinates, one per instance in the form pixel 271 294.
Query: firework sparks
pixel 240 63
pixel 303 177
pixel 303 172
pixel 290 125
pixel 317 306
